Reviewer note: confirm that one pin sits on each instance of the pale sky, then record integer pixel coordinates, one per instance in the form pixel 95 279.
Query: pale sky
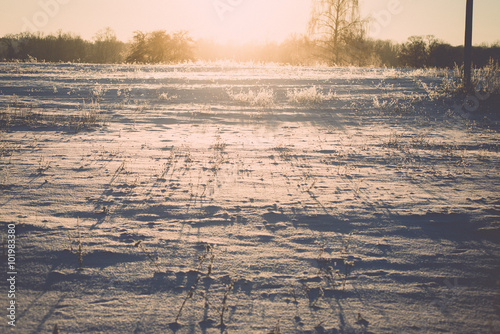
pixel 245 20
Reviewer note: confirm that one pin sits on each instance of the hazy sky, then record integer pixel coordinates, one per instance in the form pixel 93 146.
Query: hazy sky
pixel 244 20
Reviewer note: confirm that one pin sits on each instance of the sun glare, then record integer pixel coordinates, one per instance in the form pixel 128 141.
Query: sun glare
pixel 242 21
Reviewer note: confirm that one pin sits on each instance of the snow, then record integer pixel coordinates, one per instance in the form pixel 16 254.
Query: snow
pixel 369 207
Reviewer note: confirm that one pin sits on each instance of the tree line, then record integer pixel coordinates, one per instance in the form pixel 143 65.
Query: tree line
pixel 63 47
pixel 159 47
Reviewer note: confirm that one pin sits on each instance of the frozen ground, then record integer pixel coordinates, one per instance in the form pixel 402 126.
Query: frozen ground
pixel 280 199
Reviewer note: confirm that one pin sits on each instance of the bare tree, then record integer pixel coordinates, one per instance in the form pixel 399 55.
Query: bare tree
pixel 10 50
pixel 107 48
pixel 138 49
pixel 335 25
pixel 159 46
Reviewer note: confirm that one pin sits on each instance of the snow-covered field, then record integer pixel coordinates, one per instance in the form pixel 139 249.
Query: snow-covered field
pixel 159 199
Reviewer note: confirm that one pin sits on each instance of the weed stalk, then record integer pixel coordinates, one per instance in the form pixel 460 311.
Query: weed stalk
pixel 139 245
pixel 208 253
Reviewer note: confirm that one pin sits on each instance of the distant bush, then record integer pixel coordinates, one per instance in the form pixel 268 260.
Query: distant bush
pixel 159 47
pixel 107 49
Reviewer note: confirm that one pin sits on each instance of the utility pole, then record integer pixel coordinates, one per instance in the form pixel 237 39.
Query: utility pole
pixel 468 46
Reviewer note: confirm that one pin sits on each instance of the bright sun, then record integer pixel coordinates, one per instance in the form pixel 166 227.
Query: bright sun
pixel 256 20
